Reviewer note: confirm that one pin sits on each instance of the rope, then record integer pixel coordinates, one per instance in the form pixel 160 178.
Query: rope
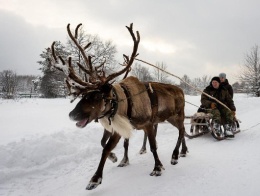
pixel 192 104
pixel 184 82
pixel 251 127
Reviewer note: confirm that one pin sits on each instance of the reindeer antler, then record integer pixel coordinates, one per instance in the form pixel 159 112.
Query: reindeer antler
pixel 128 62
pixel 96 74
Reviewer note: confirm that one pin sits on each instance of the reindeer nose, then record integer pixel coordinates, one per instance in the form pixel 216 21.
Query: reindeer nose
pixel 72 115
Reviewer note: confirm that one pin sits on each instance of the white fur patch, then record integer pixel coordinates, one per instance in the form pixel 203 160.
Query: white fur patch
pixel 119 124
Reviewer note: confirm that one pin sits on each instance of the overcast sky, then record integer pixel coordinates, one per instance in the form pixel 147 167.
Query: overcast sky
pixel 202 37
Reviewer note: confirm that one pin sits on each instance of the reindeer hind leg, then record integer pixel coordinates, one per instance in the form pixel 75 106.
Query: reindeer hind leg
pixel 178 122
pixel 158 167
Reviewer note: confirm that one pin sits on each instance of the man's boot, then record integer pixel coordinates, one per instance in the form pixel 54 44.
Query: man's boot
pixel 228 131
pixel 216 127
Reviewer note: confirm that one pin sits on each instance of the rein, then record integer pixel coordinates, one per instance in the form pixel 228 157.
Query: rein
pixel 184 82
pixel 114 102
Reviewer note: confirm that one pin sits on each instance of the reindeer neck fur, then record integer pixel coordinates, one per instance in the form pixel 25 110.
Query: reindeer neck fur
pixel 119 122
pixel 141 113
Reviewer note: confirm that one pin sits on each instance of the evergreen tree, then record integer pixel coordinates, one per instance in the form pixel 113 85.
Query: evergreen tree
pixel 52 83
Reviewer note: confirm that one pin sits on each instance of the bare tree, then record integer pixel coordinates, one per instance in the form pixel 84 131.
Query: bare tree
pixel 98 50
pixel 8 83
pixel 25 84
pixel 205 80
pixel 159 75
pixel 183 84
pixel 250 73
pixel 142 73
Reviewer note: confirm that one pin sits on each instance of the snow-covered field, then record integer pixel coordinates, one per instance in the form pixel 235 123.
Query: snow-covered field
pixel 43 153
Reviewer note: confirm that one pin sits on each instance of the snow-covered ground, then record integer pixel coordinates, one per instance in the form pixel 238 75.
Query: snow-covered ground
pixel 43 153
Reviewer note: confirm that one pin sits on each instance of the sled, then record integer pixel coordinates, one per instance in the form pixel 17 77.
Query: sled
pixel 201 123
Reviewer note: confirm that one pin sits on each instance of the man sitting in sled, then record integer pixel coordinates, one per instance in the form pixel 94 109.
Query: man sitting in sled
pixel 216 90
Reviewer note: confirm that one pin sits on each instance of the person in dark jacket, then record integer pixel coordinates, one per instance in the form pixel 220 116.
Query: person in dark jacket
pixel 216 90
pixel 225 83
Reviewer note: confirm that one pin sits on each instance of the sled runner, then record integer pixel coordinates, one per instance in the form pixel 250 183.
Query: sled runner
pixel 201 123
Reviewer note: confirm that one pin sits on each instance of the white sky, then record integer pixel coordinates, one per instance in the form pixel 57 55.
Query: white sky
pixel 191 37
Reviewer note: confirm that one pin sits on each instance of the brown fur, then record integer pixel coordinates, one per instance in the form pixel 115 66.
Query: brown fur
pixel 111 105
pixel 170 108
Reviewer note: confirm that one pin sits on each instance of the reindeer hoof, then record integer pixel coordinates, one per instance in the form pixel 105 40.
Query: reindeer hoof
pixel 142 151
pixel 183 154
pixel 112 157
pixel 157 171
pixel 174 161
pixel 93 185
pixel 123 163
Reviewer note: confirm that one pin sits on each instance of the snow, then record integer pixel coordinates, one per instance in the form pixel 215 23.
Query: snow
pixel 43 153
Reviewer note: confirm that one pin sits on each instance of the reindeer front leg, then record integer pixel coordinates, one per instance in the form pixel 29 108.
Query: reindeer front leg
pixel 97 178
pixel 158 167
pixel 106 135
pixel 125 160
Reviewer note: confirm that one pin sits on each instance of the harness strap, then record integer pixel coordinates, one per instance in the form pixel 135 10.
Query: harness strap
pixel 153 99
pixel 114 106
pixel 129 101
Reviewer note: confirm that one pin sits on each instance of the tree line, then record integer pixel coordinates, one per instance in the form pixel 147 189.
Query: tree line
pixel 52 85
pixel 13 85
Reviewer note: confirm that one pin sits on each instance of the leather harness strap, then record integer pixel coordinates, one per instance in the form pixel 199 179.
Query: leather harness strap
pixel 153 99
pixel 129 101
pixel 152 96
pixel 114 106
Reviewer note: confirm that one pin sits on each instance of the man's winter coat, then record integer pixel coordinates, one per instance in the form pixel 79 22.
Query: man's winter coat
pixel 228 87
pixel 220 94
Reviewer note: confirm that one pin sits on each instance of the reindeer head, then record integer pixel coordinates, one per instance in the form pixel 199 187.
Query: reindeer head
pixel 97 98
pixel 92 105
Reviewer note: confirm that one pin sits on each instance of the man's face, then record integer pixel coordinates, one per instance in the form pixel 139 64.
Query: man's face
pixel 222 79
pixel 215 84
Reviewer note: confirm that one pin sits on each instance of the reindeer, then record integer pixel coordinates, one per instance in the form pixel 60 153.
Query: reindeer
pixel 124 106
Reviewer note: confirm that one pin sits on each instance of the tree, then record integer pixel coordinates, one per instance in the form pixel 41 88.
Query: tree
pixel 8 83
pixel 199 83
pixel 159 75
pixel 36 84
pixel 25 83
pixel 250 73
pixel 98 50
pixel 142 73
pixel 183 84
pixel 52 85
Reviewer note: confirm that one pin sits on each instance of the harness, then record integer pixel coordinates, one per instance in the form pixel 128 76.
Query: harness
pixel 153 99
pixel 152 96
pixel 129 101
pixel 114 106
pixel 114 102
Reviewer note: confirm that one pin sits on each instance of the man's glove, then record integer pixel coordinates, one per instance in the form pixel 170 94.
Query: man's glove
pixel 213 106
